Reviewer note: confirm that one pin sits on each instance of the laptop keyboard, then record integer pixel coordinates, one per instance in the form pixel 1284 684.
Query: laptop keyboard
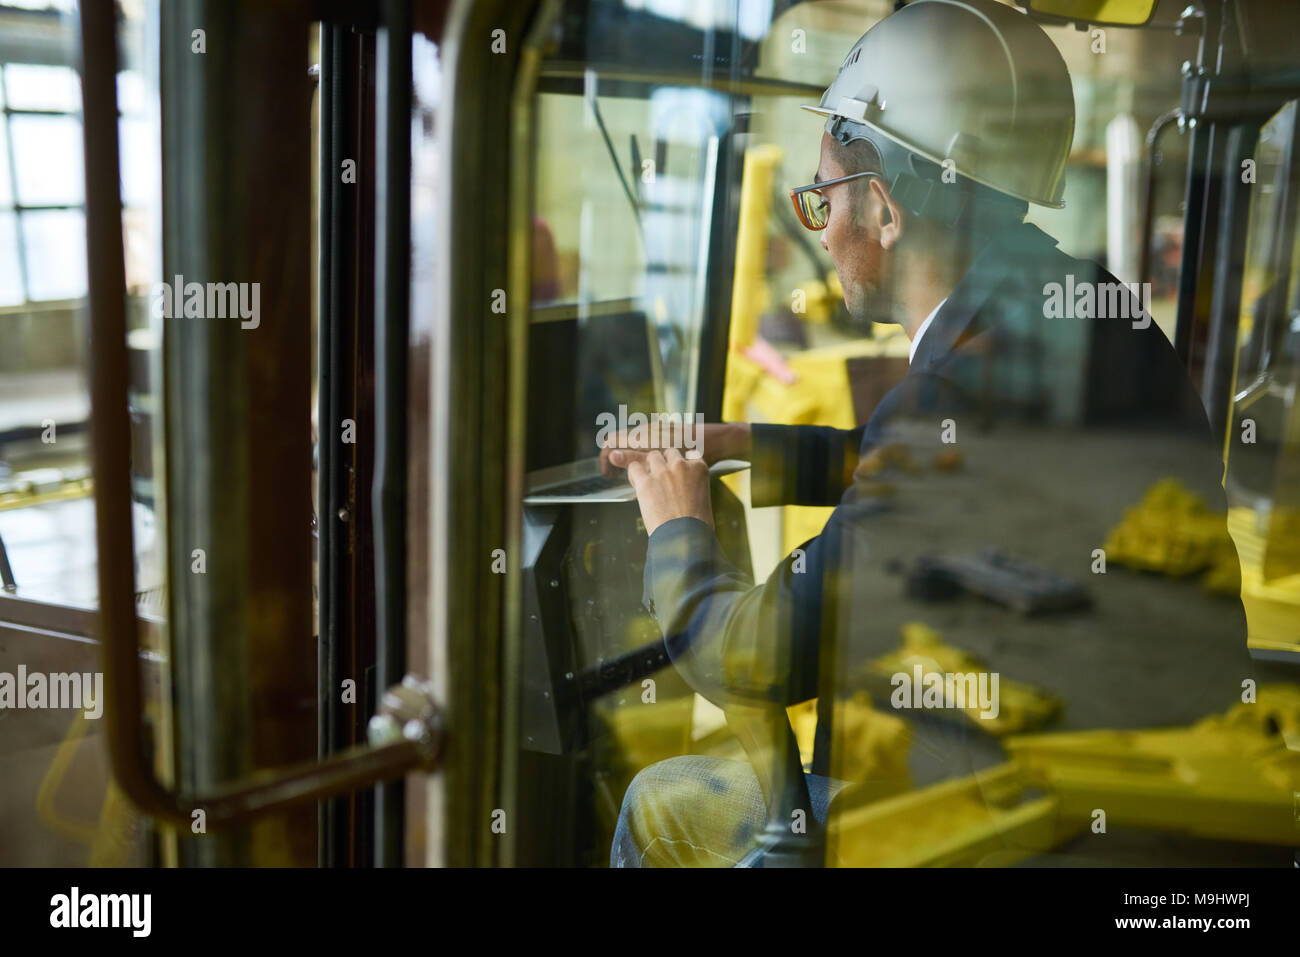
pixel 584 486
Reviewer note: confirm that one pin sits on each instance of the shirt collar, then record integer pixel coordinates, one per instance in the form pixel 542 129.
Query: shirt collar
pixel 925 324
pixel 1001 254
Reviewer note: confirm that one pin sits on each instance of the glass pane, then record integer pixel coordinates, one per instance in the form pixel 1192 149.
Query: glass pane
pixel 55 243
pixel 141 172
pixel 66 6
pixel 611 226
pixel 48 160
pixel 132 93
pixel 6 180
pixel 34 87
pixel 11 279
pixel 922 432
pixel 61 807
pixel 1263 479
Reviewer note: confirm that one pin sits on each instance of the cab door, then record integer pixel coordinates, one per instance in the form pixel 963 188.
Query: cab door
pixel 591 158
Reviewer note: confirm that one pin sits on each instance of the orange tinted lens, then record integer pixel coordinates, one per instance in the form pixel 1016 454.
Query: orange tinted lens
pixel 811 208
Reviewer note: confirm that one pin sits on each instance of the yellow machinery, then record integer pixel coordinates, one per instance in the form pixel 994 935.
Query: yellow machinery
pixel 1232 776
pixel 1021 706
pixel 1173 531
pixel 114 838
pixel 990 818
pixel 810 388
pixel 1227 777
pixel 1272 603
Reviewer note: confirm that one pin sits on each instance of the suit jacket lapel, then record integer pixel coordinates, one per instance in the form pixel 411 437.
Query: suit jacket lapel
pixel 990 267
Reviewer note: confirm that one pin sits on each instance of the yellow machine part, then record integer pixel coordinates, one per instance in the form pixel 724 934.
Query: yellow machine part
pixel 871 745
pixel 118 833
pixel 1272 606
pixel 82 832
pixel 1171 531
pixel 644 734
pixel 821 393
pixel 749 290
pixel 1231 777
pixel 27 495
pixel 990 818
pixel 115 836
pixel 1021 706
pixel 814 300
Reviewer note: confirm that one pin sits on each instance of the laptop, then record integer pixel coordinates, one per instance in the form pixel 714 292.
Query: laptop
pixel 606 359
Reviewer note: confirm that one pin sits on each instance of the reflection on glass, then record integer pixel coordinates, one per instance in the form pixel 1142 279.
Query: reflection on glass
pixel 6 183
pixel 47 160
pixel 140 170
pixel 633 221
pixel 33 87
pixel 11 280
pixel 664 150
pixel 56 253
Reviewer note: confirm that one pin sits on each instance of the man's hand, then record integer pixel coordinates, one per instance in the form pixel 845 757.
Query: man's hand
pixel 670 486
pixel 713 443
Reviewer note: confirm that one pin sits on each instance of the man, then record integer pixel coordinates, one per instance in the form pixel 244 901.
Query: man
pixel 944 122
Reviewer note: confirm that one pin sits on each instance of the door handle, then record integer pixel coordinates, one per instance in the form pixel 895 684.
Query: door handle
pixel 417 742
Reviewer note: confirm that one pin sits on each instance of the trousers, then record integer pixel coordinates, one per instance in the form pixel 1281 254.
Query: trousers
pixel 696 811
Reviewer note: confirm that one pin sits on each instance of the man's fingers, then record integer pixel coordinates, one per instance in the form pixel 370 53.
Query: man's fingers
pixel 623 458
pixel 654 461
pixel 671 456
pixel 637 472
pixel 607 463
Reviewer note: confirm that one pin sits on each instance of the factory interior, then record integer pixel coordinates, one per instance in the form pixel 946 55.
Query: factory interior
pixel 313 551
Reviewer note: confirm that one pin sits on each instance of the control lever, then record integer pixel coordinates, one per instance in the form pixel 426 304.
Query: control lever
pixel 771 747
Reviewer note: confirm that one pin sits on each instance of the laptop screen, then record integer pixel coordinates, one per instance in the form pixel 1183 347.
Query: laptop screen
pixel 580 368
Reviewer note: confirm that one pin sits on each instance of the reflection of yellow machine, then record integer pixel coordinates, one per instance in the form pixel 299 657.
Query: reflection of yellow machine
pixel 115 836
pixel 1020 707
pixel 1272 603
pixel 1173 531
pixel 964 822
pixel 1228 777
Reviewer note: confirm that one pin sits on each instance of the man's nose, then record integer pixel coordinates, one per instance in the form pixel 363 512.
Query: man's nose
pixel 823 240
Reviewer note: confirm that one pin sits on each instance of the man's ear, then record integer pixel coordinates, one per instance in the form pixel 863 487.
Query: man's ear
pixel 891 220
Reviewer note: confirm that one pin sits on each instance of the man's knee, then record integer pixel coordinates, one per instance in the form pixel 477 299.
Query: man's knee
pixel 658 793
pixel 687 810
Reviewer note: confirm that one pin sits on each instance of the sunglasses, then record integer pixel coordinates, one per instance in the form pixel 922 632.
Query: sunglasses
pixel 810 206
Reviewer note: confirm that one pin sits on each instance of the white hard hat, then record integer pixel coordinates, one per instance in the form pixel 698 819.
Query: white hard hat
pixel 971 81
